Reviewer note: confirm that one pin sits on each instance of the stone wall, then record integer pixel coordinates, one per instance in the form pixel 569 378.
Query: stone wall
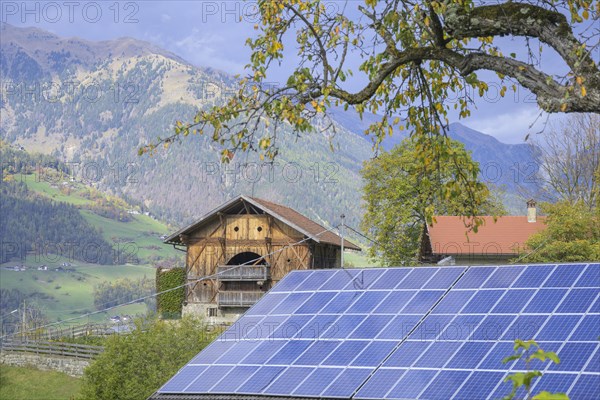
pixel 68 365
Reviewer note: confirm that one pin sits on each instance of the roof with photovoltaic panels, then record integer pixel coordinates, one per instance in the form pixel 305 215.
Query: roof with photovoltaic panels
pixel 404 333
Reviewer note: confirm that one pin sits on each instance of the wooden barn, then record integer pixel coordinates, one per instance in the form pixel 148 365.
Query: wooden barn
pixel 263 239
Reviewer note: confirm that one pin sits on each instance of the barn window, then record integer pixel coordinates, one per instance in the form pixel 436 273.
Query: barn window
pixel 211 311
pixel 246 258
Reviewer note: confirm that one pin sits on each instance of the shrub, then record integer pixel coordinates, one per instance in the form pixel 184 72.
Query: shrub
pixel 135 365
pixel 169 304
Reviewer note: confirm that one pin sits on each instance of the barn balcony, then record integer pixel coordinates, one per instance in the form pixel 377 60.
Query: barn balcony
pixel 243 272
pixel 237 299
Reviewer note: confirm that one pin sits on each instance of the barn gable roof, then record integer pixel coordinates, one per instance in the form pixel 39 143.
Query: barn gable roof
pixel 287 215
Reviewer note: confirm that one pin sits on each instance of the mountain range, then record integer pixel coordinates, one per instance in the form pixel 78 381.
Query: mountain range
pixel 93 104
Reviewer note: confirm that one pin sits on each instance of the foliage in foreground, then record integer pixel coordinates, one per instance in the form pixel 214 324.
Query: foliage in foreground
pixel 402 194
pixel 572 234
pixel 16 384
pixel 526 352
pixel 134 366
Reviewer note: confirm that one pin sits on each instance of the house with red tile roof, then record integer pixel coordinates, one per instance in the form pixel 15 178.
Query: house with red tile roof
pixel 499 239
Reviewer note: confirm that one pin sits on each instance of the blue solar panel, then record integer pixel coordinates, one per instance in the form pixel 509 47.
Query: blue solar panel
pixel 400 326
pixel 574 356
pixel 586 387
pixel 479 382
pixel 430 333
pixel 183 378
pixel 470 355
pixel 503 277
pixel 315 303
pixel 234 379
pixel 364 279
pixel 524 326
pixel 554 383
pixel 492 327
pixel 482 302
pixel 367 302
pixel 461 327
pixel 558 328
pixel 316 383
pixel 370 327
pixel 594 363
pixel 407 354
pixel 391 278
pixel 374 354
pixel 379 384
pixel 287 381
pixel 444 278
pixel 290 327
pixel 534 277
pixel 513 302
pixel 417 278
pixel 316 327
pixel 346 383
pixel 422 301
pixel 453 302
pixel 474 278
pixel 340 302
pixel 577 301
pixel 564 275
pixel 431 327
pixel 211 376
pixel 446 383
pixel 545 301
pixel 260 380
pixel 411 384
pixel 291 281
pixel 394 302
pixel 437 354
pixel 591 277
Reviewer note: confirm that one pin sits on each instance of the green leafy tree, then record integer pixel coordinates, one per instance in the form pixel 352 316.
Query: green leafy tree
pixel 401 195
pixel 135 365
pixel 528 352
pixel 416 57
pixel 572 234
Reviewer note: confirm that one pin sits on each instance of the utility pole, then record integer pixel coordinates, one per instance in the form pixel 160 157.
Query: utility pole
pixel 23 320
pixel 342 241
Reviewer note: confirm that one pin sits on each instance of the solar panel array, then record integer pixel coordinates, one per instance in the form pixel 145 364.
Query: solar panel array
pixel 407 333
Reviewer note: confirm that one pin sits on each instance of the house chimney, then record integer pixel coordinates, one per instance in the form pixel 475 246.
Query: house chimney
pixel 531 211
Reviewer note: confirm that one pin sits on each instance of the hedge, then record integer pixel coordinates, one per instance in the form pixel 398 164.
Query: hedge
pixel 169 304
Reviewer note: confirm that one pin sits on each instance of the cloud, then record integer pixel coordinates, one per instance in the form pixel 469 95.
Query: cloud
pixel 165 17
pixel 510 126
pixel 209 50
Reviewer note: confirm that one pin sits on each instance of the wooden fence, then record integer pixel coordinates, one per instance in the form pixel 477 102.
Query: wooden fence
pixel 81 351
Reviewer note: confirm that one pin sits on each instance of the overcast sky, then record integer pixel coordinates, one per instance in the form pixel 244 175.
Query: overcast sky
pixel 213 34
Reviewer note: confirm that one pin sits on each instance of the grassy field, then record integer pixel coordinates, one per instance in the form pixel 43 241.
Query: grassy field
pixel 358 260
pixel 71 292
pixel 31 384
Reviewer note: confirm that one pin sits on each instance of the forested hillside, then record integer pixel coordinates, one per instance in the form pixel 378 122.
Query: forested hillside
pixel 32 223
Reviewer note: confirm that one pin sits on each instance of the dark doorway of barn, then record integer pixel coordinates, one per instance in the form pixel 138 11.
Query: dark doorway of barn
pixel 246 258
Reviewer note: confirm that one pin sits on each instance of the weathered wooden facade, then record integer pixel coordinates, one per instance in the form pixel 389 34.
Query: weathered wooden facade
pixel 249 244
